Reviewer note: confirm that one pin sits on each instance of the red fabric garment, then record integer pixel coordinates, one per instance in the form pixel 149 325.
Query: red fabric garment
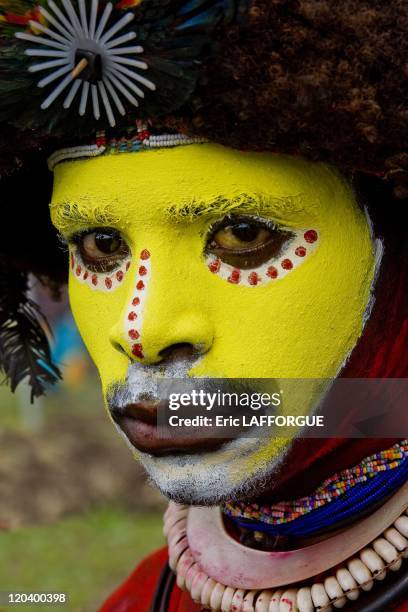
pixel 137 591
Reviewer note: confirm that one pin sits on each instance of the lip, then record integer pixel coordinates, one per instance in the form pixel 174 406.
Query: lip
pixel 138 421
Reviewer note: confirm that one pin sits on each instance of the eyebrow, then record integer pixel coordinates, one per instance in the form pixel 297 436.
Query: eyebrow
pixel 280 208
pixel 70 216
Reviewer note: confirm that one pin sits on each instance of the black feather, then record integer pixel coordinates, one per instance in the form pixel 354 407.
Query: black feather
pixel 24 347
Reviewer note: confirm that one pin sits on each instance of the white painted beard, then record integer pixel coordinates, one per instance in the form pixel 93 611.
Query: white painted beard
pixel 210 478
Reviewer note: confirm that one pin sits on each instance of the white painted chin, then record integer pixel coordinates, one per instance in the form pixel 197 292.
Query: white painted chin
pixel 210 478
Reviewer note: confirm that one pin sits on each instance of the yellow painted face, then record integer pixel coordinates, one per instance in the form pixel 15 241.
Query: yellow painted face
pixel 262 262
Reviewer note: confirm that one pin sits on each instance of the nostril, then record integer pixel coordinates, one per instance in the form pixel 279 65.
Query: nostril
pixel 119 348
pixel 180 351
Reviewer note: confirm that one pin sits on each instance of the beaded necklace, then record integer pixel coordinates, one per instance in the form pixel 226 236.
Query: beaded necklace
pixel 340 497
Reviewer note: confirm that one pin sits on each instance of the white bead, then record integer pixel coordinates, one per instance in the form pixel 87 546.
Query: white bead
pixel 263 601
pixel 361 573
pixel 237 600
pixel 288 601
pixel 334 591
pixel 347 583
pixel 226 603
pixel 388 552
pixel 398 540
pixel 275 599
pixel 207 591
pixel 197 586
pixel 374 563
pixel 216 597
pixel 304 600
pixel 320 597
pixel 248 603
pixel 401 524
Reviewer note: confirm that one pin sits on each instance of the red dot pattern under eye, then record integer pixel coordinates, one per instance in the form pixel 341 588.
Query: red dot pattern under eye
pixel 294 254
pixel 97 279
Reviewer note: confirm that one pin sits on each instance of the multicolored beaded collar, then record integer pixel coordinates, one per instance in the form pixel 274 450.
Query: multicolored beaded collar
pixel 141 138
pixel 341 497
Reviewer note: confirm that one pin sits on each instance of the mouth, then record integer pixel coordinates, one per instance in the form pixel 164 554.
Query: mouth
pixel 138 421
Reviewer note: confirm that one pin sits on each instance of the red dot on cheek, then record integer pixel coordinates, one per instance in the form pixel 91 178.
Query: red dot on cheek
pixel 142 270
pixel 300 251
pixel 108 283
pixel 119 275
pixel 253 278
pixel 144 254
pixel 287 264
pixel 137 350
pixel 136 301
pixel 234 277
pixel 310 236
pixel 132 316
pixel 140 285
pixel 214 265
pixel 94 279
pixel 134 334
pixel 272 272
pixel 85 275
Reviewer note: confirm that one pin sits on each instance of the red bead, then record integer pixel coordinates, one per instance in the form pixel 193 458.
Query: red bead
pixel 140 285
pixel 214 265
pixel 253 278
pixel 142 270
pixel 132 316
pixel 136 301
pixel 108 283
pixel 144 254
pixel 134 334
pixel 119 275
pixel 272 272
pixel 78 270
pixel 94 279
pixel 300 251
pixel 287 264
pixel 310 236
pixel 234 277
pixel 137 351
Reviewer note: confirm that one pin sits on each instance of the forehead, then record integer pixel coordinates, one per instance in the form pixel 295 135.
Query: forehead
pixel 204 174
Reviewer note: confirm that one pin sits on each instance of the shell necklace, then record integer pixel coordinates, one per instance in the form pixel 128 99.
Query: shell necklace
pixel 222 574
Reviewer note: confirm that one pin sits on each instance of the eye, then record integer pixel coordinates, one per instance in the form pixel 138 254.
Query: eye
pixel 101 249
pixel 246 242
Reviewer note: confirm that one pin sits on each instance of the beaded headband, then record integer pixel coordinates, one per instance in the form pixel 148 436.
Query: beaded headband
pixel 143 139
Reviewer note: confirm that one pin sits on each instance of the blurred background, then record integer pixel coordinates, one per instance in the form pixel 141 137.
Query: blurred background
pixel 76 512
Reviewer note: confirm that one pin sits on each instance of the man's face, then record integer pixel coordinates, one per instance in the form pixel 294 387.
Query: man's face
pixel 207 262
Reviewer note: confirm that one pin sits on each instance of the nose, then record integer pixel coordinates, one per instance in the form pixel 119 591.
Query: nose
pixel 162 321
